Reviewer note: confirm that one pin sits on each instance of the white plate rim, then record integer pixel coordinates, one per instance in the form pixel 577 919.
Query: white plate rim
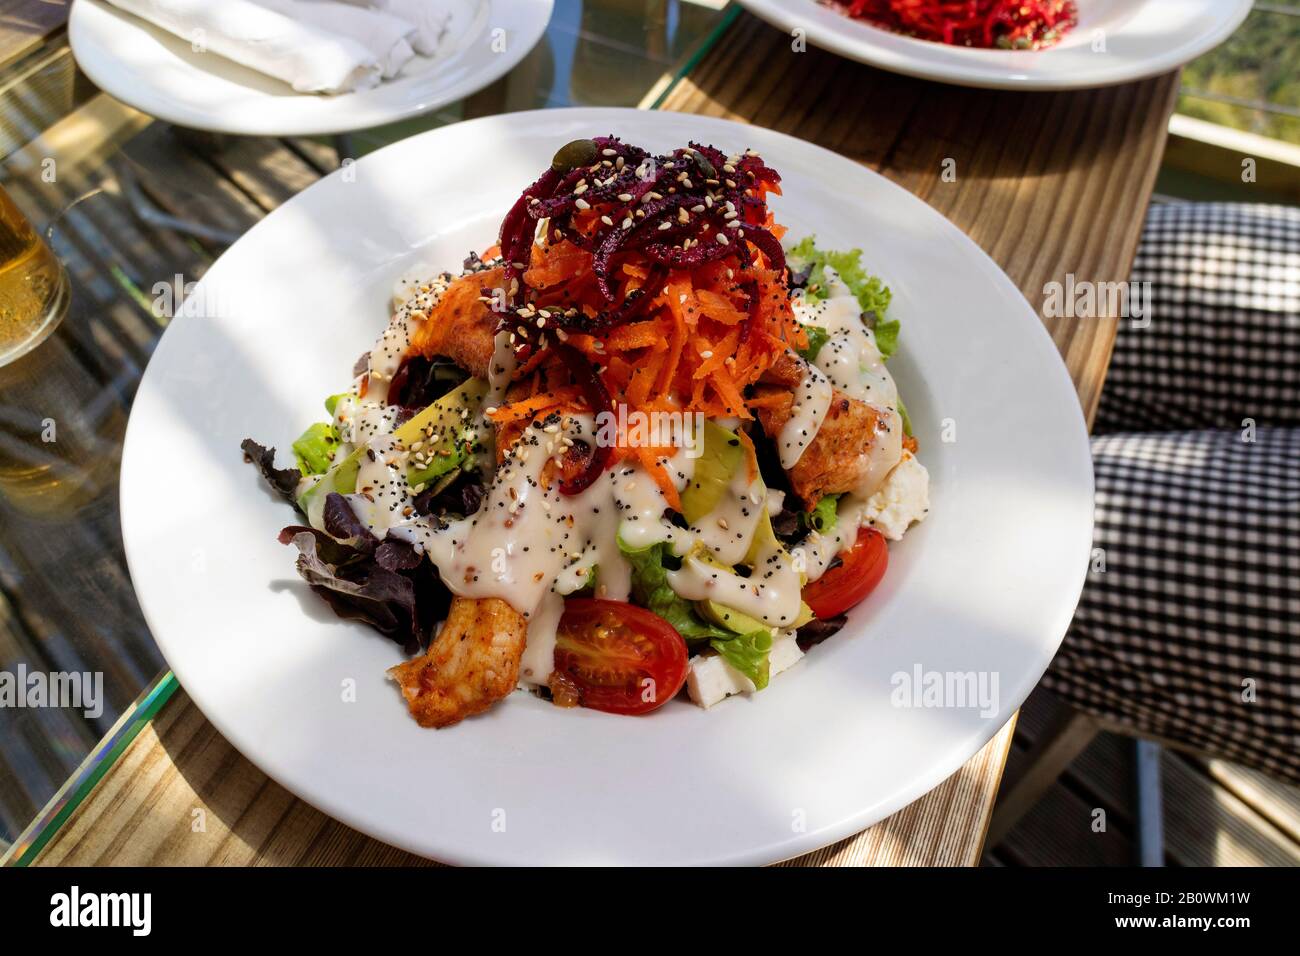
pixel 993 69
pixel 136 502
pixel 336 115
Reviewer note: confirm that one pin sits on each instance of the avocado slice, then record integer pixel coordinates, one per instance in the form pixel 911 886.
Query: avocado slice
pixel 332 402
pixel 445 417
pixel 733 620
pixel 448 421
pixel 722 455
pixel 728 617
pixel 315 447
pixel 764 540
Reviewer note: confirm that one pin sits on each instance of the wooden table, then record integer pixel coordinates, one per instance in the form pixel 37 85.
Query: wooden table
pixel 1049 184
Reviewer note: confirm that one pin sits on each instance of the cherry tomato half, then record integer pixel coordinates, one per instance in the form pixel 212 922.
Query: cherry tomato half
pixel 848 583
pixel 620 658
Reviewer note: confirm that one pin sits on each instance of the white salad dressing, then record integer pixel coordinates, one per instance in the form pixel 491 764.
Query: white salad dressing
pixel 538 659
pixel 383 497
pixel 729 528
pixel 852 363
pixel 812 399
pixel 529 545
pixel 818 549
pixel 770 594
pixel 358 420
pixel 413 301
pixel 849 358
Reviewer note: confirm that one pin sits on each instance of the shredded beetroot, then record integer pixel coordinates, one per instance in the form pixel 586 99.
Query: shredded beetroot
pixel 1012 24
pixel 516 237
pixel 638 202
pixel 605 232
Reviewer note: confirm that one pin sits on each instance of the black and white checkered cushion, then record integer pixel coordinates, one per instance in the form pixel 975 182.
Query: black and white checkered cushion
pixel 1192 630
pixel 1223 343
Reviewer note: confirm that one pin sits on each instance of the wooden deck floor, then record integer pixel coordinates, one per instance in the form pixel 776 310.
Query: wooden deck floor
pixel 1215 813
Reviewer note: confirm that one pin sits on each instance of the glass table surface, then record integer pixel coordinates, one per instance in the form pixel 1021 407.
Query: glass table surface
pixel 137 210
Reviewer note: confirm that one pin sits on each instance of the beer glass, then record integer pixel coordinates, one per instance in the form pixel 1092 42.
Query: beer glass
pixel 33 285
pixel 59 429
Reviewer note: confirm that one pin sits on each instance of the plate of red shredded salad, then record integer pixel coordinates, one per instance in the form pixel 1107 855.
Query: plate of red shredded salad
pixel 1012 44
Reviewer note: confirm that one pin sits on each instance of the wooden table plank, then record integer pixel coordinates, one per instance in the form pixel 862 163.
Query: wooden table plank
pixel 1048 184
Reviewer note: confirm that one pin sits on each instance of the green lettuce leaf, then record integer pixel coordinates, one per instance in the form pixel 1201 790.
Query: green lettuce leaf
pixel 872 294
pixel 650 590
pixel 886 336
pixel 822 518
pixel 817 337
pixel 748 653
pixel 907 420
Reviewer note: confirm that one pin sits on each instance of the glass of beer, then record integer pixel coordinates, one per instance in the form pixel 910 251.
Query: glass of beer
pixel 60 431
pixel 33 285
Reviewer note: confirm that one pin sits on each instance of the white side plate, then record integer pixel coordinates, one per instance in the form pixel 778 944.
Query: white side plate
pixel 160 74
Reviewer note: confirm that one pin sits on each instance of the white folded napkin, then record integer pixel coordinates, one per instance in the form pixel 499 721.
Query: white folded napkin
pixel 309 58
pixel 387 37
pixel 431 19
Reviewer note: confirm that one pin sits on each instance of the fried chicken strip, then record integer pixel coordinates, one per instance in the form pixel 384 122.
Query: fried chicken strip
pixel 461 326
pixel 471 664
pixel 855 448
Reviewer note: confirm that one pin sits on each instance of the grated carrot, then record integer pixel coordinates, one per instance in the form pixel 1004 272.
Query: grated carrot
pixel 531 407
pixel 751 453
pixel 718 307
pixel 703 336
pixel 649 458
pixel 719 352
pixel 638 335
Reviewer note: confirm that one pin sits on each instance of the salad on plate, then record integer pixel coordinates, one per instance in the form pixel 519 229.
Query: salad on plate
pixel 986 24
pixel 645 442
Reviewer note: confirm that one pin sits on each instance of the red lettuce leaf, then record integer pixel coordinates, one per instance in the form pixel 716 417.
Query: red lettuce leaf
pixel 283 481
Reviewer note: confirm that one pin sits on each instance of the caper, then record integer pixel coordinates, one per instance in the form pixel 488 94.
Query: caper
pixel 580 152
pixel 706 167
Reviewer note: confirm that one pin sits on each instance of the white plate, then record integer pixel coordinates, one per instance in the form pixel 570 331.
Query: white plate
pixel 160 74
pixel 1141 38
pixel 987 584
